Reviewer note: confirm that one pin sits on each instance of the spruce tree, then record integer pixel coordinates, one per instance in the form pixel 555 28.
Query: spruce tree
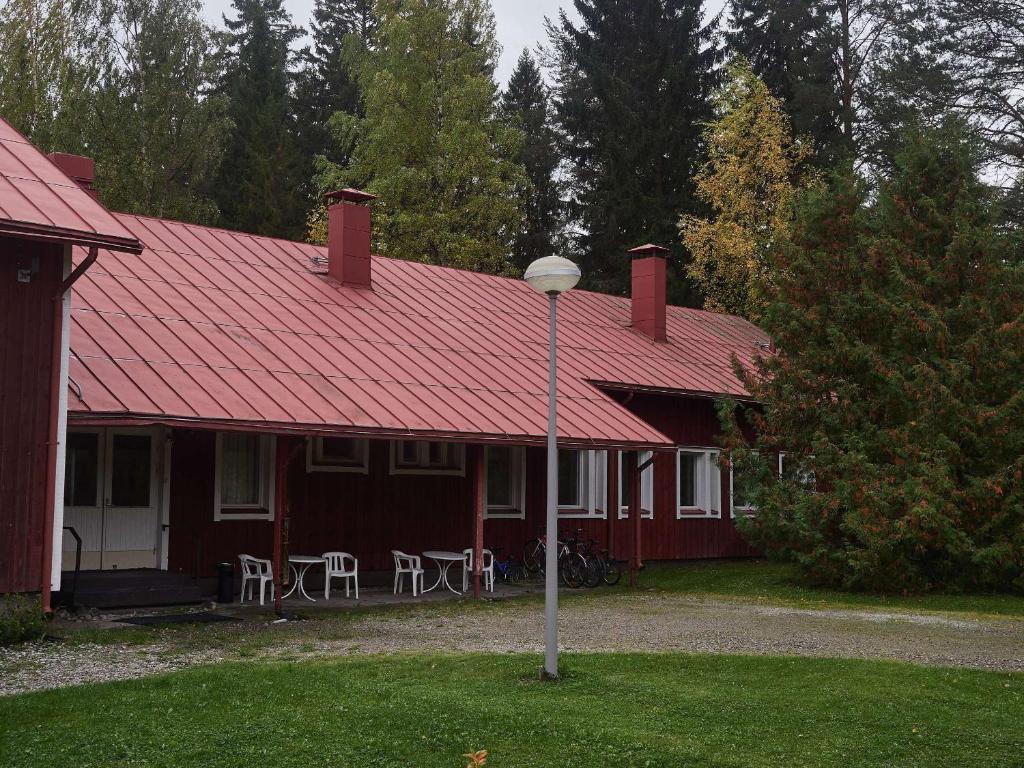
pixel 257 187
pixel 525 105
pixel 896 393
pixel 431 145
pixel 328 81
pixel 633 87
pixel 789 44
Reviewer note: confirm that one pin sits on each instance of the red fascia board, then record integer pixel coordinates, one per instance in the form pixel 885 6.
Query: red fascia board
pixel 118 420
pixel 52 234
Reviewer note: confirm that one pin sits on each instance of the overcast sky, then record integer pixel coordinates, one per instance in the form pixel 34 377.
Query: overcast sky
pixel 520 23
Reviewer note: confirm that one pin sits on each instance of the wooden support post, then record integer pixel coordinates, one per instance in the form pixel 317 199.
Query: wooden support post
pixel 479 504
pixel 613 501
pixel 280 510
pixel 635 513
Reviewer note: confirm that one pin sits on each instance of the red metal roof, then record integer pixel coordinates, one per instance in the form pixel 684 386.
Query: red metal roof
pixel 228 329
pixel 38 200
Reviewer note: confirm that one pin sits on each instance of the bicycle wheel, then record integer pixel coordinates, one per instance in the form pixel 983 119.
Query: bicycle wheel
pixel 593 571
pixel 572 571
pixel 612 572
pixel 533 557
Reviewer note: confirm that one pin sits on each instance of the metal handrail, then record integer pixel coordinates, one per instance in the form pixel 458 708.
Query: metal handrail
pixel 78 561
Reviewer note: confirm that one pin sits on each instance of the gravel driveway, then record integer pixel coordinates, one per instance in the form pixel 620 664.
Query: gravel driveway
pixel 644 622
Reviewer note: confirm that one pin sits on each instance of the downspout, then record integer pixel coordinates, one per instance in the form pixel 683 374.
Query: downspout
pixel 53 437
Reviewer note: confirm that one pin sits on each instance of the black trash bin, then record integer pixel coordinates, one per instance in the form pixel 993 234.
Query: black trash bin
pixel 225 583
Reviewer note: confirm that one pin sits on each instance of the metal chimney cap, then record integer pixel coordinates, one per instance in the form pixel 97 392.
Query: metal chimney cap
pixel 649 249
pixel 350 195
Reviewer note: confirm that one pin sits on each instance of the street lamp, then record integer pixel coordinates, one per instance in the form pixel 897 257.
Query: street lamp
pixel 552 275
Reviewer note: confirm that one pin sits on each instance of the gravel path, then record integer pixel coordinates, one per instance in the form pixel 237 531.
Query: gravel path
pixel 654 622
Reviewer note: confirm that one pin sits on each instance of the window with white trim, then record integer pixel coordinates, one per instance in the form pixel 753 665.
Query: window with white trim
pixel 582 486
pixel 791 468
pixel 698 483
pixel 427 457
pixel 244 477
pixel 506 482
pixel 646 485
pixel 338 454
pixel 742 486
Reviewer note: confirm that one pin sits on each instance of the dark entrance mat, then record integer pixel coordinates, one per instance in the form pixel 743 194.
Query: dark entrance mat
pixel 177 618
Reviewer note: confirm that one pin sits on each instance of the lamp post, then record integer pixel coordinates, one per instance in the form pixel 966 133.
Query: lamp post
pixel 552 275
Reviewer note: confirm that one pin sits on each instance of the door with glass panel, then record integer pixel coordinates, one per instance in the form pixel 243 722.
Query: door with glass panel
pixel 110 498
pixel 130 521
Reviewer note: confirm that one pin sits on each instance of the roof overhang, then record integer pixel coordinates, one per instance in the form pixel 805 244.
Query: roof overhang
pixel 307 430
pixel 73 237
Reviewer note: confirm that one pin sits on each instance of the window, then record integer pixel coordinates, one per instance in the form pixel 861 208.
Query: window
pixel 792 468
pixel 411 457
pixel 81 470
pixel 506 482
pixel 244 481
pixel 698 483
pixel 743 485
pixel 582 490
pixel 337 454
pixel 131 470
pixel 626 485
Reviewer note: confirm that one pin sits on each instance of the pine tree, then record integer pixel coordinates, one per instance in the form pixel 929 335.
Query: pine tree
pixel 899 322
pixel 789 44
pixel 633 86
pixel 257 188
pixel 525 105
pixel 431 145
pixel 328 82
pixel 750 182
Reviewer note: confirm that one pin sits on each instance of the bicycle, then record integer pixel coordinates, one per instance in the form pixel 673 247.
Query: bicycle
pixel 510 569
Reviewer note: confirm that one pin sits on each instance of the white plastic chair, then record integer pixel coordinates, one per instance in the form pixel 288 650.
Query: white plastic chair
pixel 407 564
pixel 256 570
pixel 487 571
pixel 340 565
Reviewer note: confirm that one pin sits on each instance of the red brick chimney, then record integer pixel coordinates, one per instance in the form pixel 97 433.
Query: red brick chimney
pixel 82 170
pixel 348 237
pixel 649 285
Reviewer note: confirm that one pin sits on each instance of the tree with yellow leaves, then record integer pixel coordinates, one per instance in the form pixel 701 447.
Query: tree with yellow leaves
pixel 750 180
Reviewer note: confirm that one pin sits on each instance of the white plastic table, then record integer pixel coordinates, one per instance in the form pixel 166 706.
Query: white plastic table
pixel 444 560
pixel 299 565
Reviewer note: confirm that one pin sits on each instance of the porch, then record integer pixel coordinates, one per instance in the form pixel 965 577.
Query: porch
pixel 118 590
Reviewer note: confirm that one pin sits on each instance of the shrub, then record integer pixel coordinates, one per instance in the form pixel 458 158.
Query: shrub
pixel 21 619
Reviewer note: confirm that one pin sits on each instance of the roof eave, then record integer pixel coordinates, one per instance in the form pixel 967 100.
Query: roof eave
pixel 59 235
pixel 314 430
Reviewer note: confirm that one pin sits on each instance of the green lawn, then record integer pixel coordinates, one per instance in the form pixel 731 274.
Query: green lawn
pixel 779 583
pixel 610 710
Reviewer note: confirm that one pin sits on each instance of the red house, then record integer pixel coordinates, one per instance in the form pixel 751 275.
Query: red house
pixel 227 393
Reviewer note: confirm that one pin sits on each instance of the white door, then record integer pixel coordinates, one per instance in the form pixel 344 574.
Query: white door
pixel 131 524
pixel 84 477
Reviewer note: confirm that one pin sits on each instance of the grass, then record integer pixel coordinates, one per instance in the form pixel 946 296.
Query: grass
pixel 778 583
pixel 610 709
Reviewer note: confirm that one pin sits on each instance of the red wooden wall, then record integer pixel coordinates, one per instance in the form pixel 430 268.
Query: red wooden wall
pixel 26 352
pixel 370 514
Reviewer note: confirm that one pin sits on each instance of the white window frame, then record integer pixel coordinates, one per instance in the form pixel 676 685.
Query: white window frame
pixel 646 488
pixel 423 463
pixel 314 457
pixel 517 510
pixel 707 485
pixel 264 509
pixel 747 510
pixel 593 490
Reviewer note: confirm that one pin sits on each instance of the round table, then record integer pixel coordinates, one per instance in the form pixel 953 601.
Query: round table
pixel 299 565
pixel 444 560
